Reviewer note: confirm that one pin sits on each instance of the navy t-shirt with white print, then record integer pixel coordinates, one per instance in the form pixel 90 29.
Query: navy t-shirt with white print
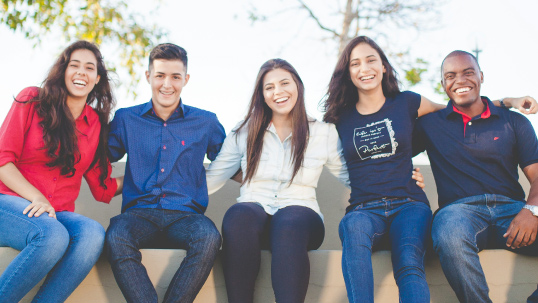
pixel 378 151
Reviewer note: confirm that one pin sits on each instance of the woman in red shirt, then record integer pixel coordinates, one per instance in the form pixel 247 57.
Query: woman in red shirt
pixel 50 139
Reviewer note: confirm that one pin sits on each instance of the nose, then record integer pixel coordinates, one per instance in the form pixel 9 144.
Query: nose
pixel 167 82
pixel 460 78
pixel 278 89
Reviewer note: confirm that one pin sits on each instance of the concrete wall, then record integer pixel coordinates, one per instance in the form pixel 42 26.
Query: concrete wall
pixel 511 277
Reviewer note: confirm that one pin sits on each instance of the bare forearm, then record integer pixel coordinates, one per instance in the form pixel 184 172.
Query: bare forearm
pixel 119 182
pixel 14 180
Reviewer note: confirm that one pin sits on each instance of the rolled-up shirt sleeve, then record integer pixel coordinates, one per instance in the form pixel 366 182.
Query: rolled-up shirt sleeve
pixel 15 126
pixel 101 193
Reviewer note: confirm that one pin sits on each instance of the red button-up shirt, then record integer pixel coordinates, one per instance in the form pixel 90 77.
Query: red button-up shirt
pixel 21 142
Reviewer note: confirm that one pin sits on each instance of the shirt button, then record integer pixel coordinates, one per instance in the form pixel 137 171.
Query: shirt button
pixel 54 179
pixel 164 146
pixel 162 170
pixel 164 124
pixel 164 195
pixel 470 123
pixel 50 196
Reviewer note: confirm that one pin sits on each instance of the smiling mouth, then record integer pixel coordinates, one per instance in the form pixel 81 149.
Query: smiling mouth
pixel 166 93
pixel 367 78
pixel 283 99
pixel 462 90
pixel 79 83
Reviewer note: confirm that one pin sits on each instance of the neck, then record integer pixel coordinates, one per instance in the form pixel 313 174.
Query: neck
pixel 164 112
pixel 283 126
pixel 473 110
pixel 76 106
pixel 370 101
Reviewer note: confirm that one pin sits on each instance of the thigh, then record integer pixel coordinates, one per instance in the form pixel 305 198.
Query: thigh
pixel 190 228
pixel 17 229
pixel 137 227
pixel 81 228
pixel 246 220
pixel 363 226
pixel 457 222
pixel 411 225
pixel 297 224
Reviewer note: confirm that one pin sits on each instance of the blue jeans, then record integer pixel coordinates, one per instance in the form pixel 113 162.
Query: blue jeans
pixel 406 223
pixel 160 228
pixel 66 248
pixel 465 227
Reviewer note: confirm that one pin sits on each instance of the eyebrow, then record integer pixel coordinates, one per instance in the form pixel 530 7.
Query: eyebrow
pixel 271 83
pixel 79 62
pixel 366 57
pixel 173 74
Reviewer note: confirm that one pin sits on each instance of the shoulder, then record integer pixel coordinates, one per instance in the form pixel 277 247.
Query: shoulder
pixel 408 95
pixel 321 128
pixel 28 94
pixel 192 111
pixel 122 113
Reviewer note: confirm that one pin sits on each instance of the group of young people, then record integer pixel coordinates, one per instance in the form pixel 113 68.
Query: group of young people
pixel 57 134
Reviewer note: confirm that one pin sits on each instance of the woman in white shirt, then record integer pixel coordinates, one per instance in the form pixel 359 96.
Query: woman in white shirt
pixel 281 152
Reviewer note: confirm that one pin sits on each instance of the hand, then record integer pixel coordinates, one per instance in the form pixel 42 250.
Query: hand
pixel 38 206
pixel 526 105
pixel 522 231
pixel 418 177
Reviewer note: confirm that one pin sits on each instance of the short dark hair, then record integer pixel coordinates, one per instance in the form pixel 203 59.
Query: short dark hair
pixel 168 51
pixel 459 53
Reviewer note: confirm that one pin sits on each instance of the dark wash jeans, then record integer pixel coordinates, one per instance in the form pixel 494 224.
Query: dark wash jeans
pixel 406 223
pixel 160 228
pixel 463 228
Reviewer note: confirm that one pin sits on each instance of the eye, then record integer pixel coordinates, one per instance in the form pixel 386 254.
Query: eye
pixel 177 78
pixel 268 87
pixel 371 60
pixel 285 83
pixel 469 73
pixel 448 77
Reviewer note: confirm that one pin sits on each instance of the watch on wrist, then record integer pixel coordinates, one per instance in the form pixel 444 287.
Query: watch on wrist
pixel 532 208
pixel 501 101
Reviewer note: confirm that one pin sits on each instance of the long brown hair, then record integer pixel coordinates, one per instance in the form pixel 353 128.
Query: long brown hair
pixel 259 116
pixel 59 129
pixel 342 94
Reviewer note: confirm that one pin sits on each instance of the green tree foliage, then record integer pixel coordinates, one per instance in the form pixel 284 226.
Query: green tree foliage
pixel 109 22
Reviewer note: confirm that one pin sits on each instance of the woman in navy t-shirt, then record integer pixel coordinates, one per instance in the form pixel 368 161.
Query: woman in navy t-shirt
pixel 375 122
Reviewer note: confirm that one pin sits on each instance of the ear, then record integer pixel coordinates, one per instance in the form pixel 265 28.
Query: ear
pixel 481 77
pixel 187 77
pixel 384 69
pixel 147 75
pixel 97 80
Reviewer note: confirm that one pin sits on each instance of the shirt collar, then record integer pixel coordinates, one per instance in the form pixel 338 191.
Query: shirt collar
pixel 491 110
pixel 178 113
pixel 84 115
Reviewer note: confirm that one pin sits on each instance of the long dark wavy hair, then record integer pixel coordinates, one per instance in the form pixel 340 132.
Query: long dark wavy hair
pixel 342 94
pixel 259 116
pixel 59 130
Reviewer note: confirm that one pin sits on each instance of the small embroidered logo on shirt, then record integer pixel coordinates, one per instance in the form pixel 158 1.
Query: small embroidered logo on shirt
pixel 183 142
pixel 496 138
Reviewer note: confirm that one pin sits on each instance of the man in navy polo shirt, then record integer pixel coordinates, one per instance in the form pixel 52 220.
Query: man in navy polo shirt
pixel 165 192
pixel 475 149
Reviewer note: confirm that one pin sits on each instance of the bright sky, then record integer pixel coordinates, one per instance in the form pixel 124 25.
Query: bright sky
pixel 225 51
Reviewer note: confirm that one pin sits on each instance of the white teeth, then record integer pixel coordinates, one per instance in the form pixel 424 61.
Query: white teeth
pixel 165 93
pixel 463 90
pixel 281 99
pixel 79 82
pixel 367 77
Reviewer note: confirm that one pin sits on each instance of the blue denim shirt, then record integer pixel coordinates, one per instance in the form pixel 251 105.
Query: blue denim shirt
pixel 165 158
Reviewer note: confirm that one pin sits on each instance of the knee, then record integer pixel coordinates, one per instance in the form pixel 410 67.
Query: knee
pixel 240 216
pixel 207 236
pixel 449 234
pixel 54 236
pixel 93 233
pixel 116 238
pixel 350 225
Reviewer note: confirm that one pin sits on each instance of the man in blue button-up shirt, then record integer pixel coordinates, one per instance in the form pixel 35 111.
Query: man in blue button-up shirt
pixel 165 192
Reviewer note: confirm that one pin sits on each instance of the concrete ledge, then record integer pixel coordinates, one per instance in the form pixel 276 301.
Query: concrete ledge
pixel 511 277
pixel 511 280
